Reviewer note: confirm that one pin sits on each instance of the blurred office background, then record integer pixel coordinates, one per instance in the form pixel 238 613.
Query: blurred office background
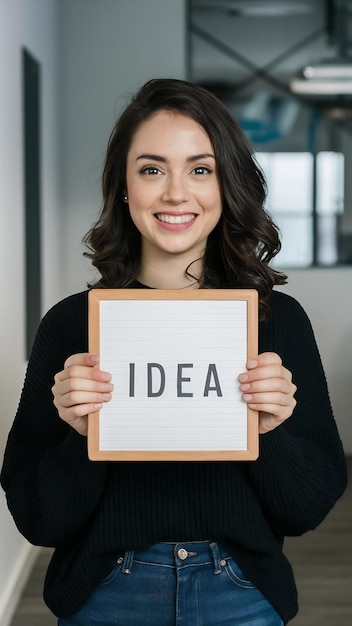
pixel 67 67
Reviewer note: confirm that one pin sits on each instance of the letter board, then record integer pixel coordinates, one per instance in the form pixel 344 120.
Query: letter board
pixel 174 357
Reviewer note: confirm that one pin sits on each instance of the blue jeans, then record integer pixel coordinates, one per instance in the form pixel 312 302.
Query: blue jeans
pixel 176 584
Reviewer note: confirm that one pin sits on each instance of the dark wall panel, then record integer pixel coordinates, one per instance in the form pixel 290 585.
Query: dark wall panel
pixel 31 110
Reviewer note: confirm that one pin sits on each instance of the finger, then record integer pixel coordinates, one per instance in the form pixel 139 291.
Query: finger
pixel 81 398
pixel 79 390
pixel 80 410
pixel 273 371
pixel 259 364
pixel 82 372
pixel 273 399
pixel 268 384
pixel 69 385
pixel 265 358
pixel 82 358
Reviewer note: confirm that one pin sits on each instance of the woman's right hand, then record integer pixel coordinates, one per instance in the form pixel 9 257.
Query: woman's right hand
pixel 81 388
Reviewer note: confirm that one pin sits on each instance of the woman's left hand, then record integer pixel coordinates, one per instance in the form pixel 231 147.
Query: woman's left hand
pixel 267 387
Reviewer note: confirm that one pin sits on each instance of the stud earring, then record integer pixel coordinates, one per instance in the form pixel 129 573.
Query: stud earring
pixel 125 198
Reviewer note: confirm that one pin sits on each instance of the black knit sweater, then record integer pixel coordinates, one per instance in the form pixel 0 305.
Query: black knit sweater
pixel 93 511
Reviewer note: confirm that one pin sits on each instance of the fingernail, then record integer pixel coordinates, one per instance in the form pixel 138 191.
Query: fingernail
pixel 94 358
pixel 251 364
pixel 245 387
pixel 106 376
pixel 247 396
pixel 242 378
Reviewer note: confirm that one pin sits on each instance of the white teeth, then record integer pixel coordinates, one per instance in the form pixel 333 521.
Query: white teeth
pixel 175 219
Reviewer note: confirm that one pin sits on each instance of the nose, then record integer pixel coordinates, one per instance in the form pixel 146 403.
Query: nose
pixel 175 189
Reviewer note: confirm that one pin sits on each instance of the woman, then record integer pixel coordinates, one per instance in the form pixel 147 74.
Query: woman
pixel 175 543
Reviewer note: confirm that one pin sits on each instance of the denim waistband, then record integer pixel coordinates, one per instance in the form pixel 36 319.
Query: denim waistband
pixel 181 554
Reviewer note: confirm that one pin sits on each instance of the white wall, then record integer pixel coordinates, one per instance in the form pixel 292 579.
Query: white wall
pixel 326 295
pixel 108 50
pixel 31 24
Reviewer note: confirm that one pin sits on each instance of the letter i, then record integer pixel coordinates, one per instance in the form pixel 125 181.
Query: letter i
pixel 132 369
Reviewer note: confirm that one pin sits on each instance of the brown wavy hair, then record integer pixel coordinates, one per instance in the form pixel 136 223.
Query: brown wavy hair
pixel 245 240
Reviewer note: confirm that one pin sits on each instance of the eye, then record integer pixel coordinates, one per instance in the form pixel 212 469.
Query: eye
pixel 150 170
pixel 201 170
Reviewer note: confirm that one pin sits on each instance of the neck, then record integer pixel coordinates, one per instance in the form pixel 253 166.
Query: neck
pixel 170 273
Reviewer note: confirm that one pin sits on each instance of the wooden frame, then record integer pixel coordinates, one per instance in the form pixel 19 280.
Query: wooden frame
pixel 194 414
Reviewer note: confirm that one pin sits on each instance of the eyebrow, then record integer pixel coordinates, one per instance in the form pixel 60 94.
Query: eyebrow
pixel 190 159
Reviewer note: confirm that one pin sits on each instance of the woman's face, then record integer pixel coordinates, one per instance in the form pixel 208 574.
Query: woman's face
pixel 172 186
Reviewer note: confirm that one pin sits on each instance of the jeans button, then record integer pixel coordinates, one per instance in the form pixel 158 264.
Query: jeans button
pixel 182 554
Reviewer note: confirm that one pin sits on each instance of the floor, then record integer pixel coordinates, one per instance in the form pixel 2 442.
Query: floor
pixel 322 561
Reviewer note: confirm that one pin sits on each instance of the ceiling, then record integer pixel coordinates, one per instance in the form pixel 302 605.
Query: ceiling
pixel 255 8
pixel 245 49
pixel 233 37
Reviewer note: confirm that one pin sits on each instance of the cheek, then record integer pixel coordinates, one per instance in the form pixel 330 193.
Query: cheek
pixel 141 197
pixel 209 194
pixel 212 202
pixel 136 216
pixel 136 203
pixel 139 205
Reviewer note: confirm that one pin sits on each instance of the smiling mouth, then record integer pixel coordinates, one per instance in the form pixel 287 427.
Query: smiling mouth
pixel 175 219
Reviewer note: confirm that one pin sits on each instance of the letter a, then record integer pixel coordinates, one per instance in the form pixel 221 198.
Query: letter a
pixel 212 371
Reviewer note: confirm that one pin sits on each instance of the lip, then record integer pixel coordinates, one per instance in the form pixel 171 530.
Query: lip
pixel 175 221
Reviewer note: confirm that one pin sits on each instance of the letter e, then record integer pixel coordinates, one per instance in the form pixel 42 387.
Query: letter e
pixel 180 380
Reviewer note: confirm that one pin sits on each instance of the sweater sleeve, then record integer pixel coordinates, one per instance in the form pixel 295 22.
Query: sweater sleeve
pixel 52 488
pixel 301 469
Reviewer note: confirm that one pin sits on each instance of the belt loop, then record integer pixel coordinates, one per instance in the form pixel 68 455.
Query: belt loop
pixel 127 561
pixel 216 557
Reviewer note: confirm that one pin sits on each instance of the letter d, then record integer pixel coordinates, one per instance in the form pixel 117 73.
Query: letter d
pixel 160 391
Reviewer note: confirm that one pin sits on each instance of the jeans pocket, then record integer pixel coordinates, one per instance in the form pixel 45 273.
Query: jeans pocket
pixel 114 572
pixel 236 575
